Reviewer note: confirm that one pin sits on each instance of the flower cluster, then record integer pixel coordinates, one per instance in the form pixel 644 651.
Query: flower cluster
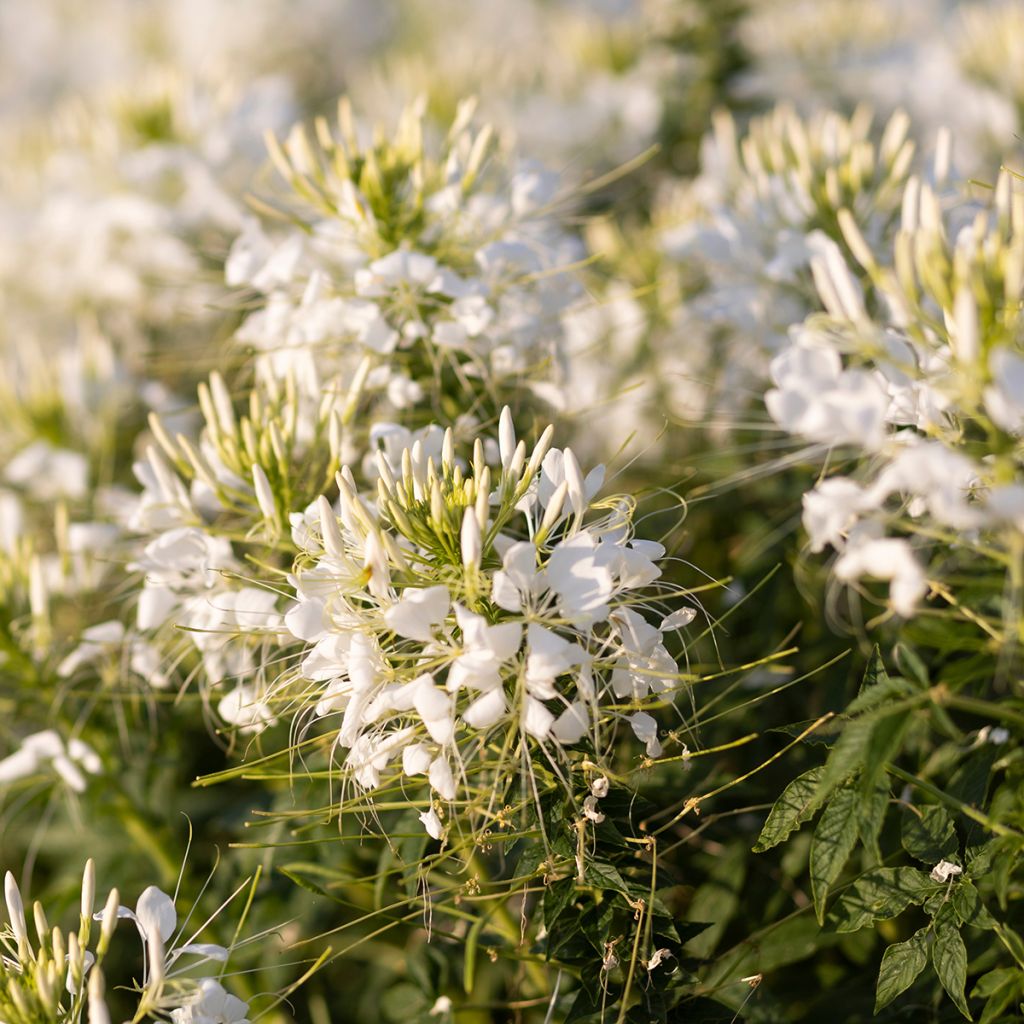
pixel 59 975
pixel 927 394
pixel 441 265
pixel 468 609
pixel 771 202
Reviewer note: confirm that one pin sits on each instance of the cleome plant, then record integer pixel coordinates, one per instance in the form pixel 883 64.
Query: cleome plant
pixel 544 594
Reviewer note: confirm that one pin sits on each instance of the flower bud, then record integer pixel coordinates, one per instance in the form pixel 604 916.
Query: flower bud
pixel 472 546
pixel 264 493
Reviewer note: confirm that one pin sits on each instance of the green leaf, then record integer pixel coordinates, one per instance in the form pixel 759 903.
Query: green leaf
pixel 834 839
pixel 901 964
pixel 928 834
pixel 874 671
pixel 871 816
pixel 602 875
pixel 880 894
pixel 949 957
pixel 999 987
pixel 909 662
pixel 791 810
pixel 968 906
pixel 556 898
pixel 883 745
pixel 877 688
pixel 469 955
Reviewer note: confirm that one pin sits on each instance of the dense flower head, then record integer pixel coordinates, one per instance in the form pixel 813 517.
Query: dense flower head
pixel 927 392
pixel 441 264
pixel 465 605
pixel 771 200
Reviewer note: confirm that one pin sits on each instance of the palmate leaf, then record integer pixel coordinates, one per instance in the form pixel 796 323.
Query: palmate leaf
pixel 901 964
pixel 834 839
pixel 949 958
pixel 795 806
pixel 876 720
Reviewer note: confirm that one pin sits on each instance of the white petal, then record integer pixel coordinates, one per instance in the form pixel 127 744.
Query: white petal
pixel 486 710
pixel 417 612
pixel 537 720
pixel 441 778
pixel 416 759
pixel 432 823
pixel 155 912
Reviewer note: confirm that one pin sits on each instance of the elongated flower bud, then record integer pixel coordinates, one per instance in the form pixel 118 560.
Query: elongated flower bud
pixel 264 493
pixel 540 449
pixel 472 546
pixel 16 913
pixel 334 543
pixel 222 403
pixel 88 888
pixel 109 918
pixel 506 437
pixel 98 1012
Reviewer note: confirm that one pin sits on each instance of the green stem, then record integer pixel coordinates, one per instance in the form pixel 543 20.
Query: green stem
pixel 977 706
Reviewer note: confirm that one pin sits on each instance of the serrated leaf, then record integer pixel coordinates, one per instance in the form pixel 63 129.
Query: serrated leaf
pixel 846 757
pixel 880 894
pixel 928 834
pixel 949 958
pixel 874 671
pixel 901 964
pixel 969 909
pixel 791 810
pixel 970 782
pixel 871 816
pixel 834 839
pixel 602 875
pixel 886 692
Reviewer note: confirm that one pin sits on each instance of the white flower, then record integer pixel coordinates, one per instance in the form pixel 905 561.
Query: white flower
pixel 886 558
pixel 830 510
pixel 212 1004
pixel 442 1004
pixel 536 719
pixel 578 572
pixel 1004 399
pixel 418 611
pixel 46 749
pixel 48 473
pixel 677 619
pixel 945 870
pixel 484 649
pixel 645 728
pixel 816 398
pixel 243 708
pixel 518 582
pixel 432 823
pixel 548 657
